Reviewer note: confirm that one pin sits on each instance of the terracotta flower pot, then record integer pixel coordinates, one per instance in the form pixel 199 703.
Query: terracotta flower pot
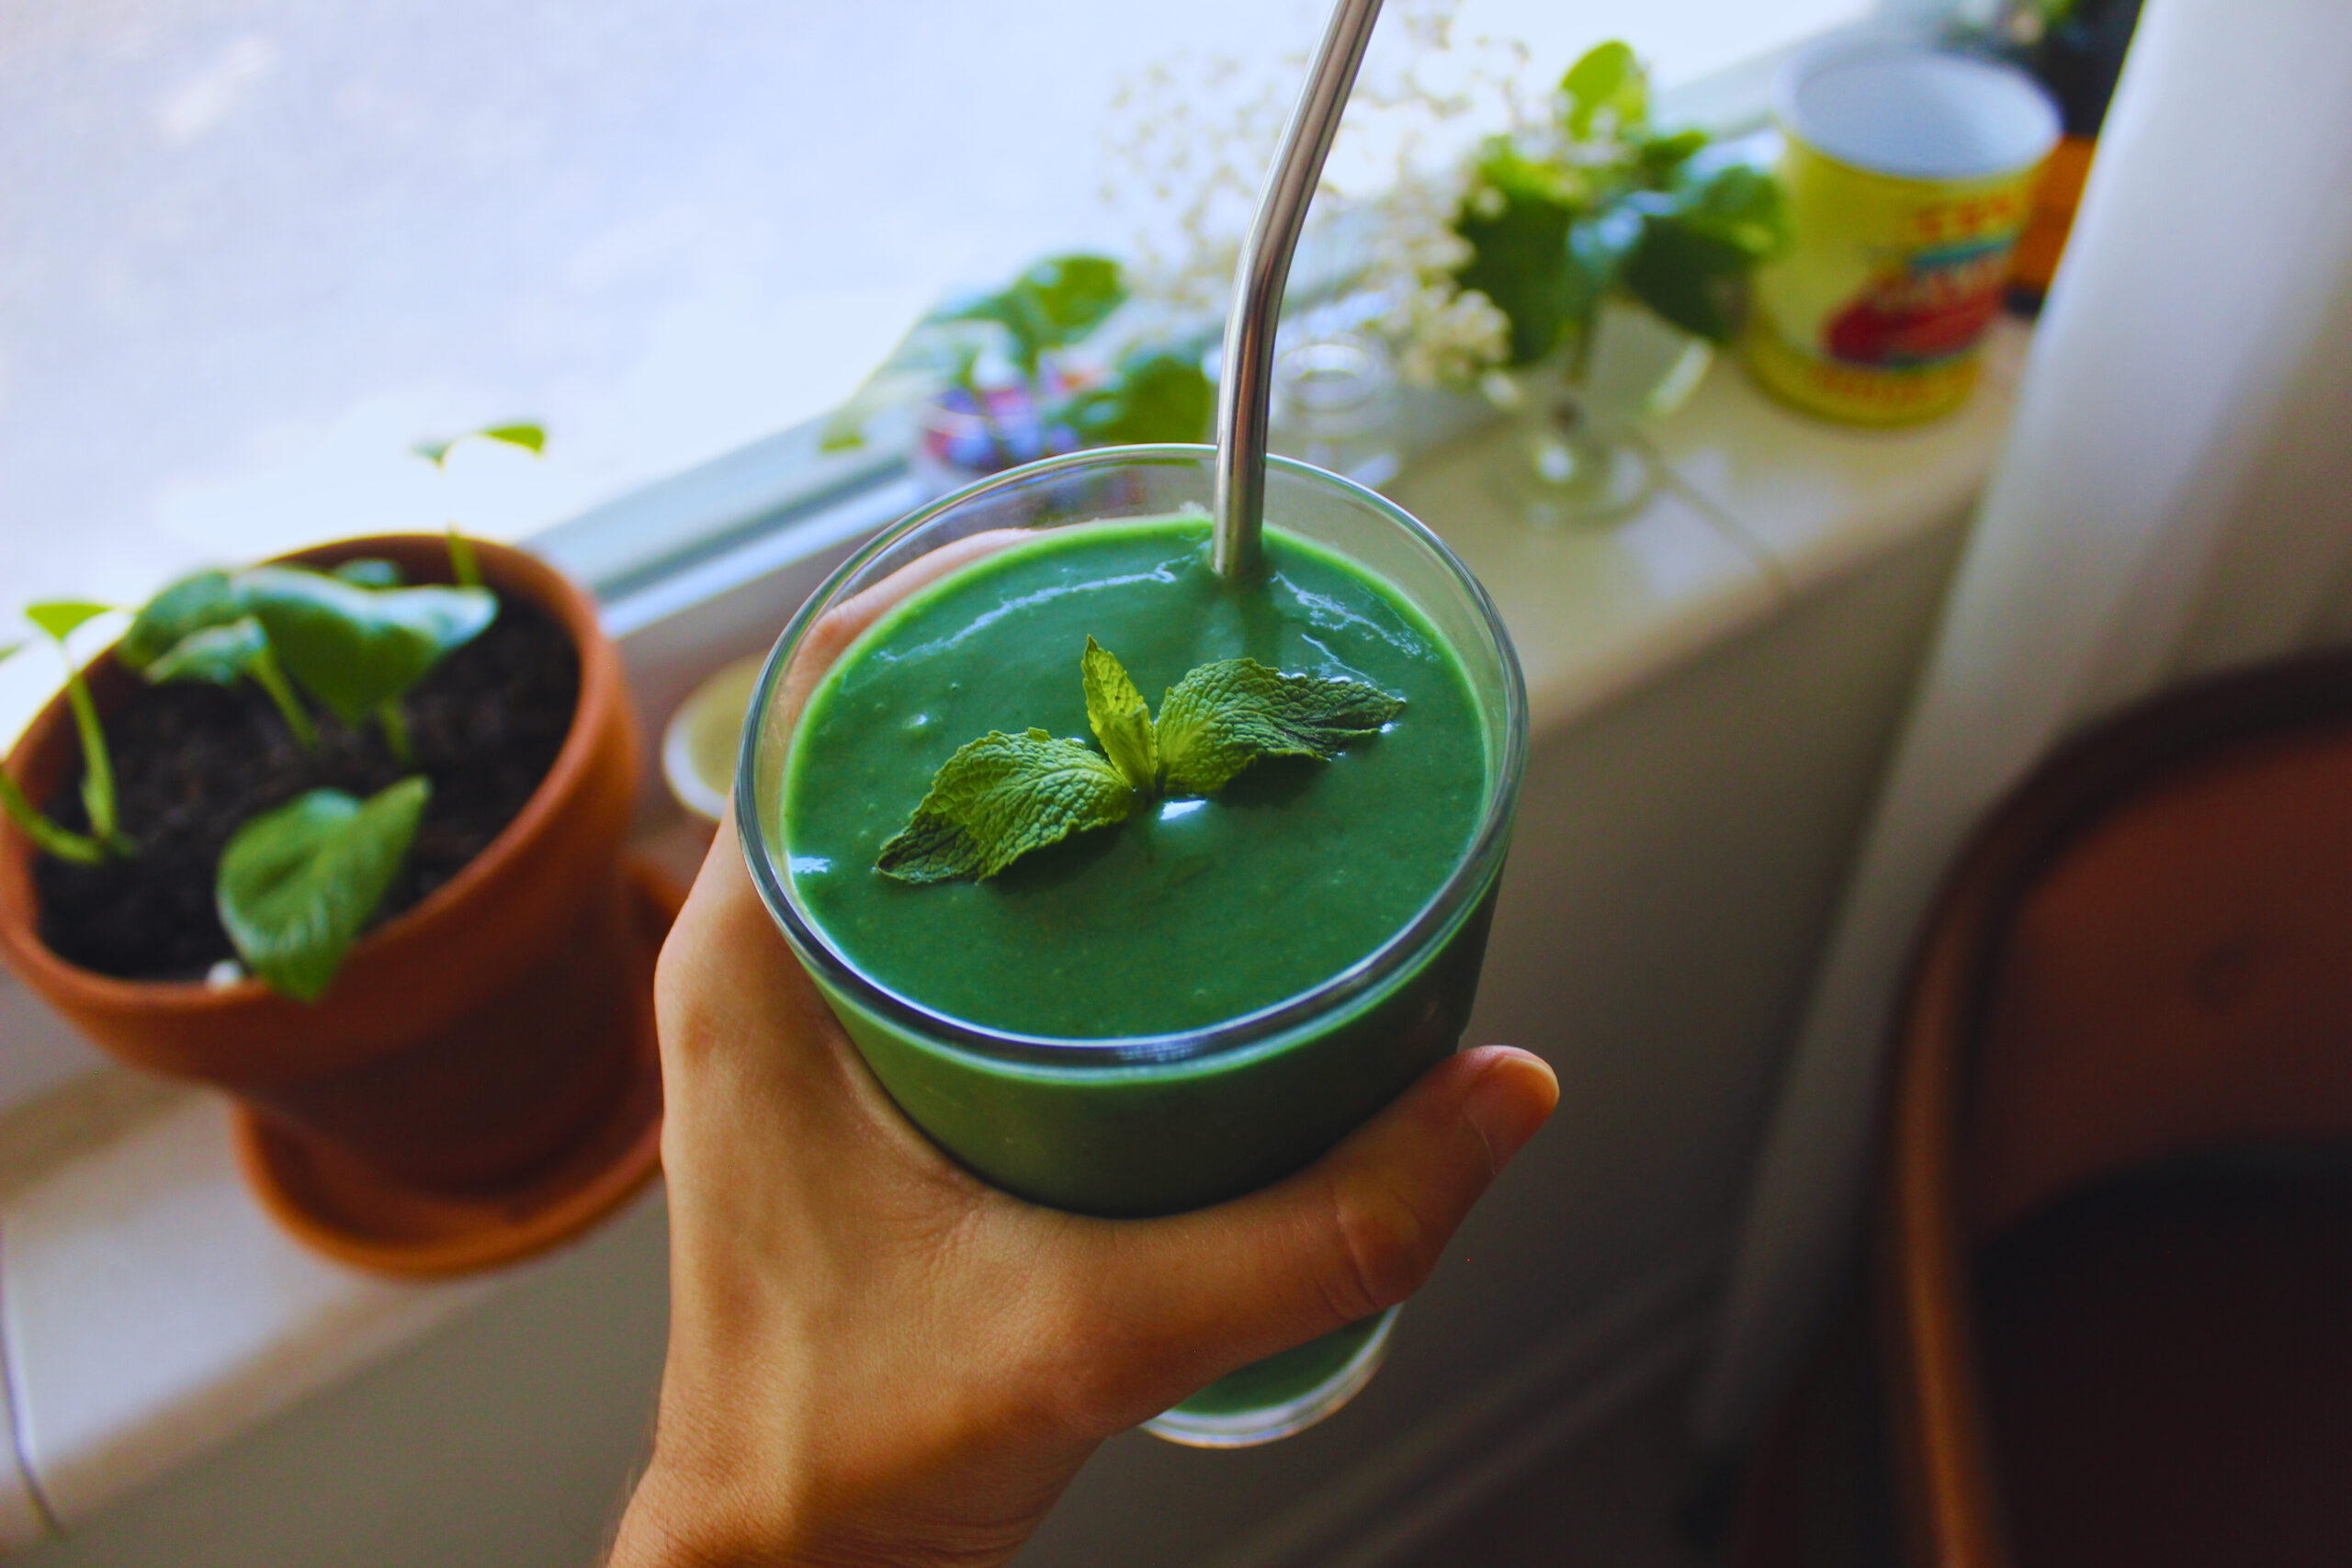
pixel 468 1045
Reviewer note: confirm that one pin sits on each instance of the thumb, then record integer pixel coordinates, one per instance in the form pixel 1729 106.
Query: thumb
pixel 1356 1232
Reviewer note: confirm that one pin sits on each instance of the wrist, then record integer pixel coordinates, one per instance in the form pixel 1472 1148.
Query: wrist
pixel 679 1520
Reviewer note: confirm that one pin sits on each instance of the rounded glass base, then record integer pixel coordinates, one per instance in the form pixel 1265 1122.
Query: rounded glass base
pixel 1569 473
pixel 1283 1394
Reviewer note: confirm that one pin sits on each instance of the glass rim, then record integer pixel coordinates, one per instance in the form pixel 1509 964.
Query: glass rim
pixel 1453 901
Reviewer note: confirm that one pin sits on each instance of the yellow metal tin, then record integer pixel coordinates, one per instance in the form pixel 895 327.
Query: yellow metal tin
pixel 1876 313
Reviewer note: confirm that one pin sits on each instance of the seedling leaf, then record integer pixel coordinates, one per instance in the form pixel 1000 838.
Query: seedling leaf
pixel 222 655
pixel 298 884
pixel 200 600
pixel 529 437
pixel 366 571
pixel 219 656
pixel 357 648
pixel 60 617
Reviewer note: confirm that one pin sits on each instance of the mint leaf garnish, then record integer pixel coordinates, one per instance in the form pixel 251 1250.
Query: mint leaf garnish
pixel 1120 719
pixel 1223 717
pixel 1004 795
pixel 999 798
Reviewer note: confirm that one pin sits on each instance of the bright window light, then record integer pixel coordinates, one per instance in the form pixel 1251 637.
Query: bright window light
pixel 254 248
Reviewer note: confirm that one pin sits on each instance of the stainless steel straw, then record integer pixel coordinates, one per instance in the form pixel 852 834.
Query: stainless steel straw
pixel 1248 365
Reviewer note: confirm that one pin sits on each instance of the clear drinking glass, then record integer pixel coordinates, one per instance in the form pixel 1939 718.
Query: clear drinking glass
pixel 1115 1126
pixel 1335 404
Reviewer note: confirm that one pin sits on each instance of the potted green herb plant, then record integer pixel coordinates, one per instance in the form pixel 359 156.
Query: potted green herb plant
pixel 1619 252
pixel 341 834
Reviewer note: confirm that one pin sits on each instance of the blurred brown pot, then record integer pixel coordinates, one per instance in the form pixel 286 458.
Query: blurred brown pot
pixel 468 1044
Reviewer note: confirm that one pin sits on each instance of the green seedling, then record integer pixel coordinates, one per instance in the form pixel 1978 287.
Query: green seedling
pixel 1604 206
pixel 356 649
pixel 197 601
pixel 59 619
pixel 530 438
pixel 299 883
pixel 47 836
pixel 233 651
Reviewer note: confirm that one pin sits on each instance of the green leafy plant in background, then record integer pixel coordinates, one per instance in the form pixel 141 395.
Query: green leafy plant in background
pixel 1051 306
pixel 1598 204
pixel 1153 392
pixel 1017 336
pixel 297 884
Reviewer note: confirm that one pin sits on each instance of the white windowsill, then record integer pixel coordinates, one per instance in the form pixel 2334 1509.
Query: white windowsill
pixel 148 1312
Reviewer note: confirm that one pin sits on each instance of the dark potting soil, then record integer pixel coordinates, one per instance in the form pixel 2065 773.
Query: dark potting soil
pixel 194 762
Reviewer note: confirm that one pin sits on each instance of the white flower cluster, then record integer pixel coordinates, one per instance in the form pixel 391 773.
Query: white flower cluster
pixel 1191 140
pixel 1446 336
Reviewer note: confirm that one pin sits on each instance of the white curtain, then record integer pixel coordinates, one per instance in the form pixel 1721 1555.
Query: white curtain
pixel 2175 498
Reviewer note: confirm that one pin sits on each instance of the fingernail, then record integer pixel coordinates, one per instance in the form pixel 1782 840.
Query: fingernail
pixel 1507 1103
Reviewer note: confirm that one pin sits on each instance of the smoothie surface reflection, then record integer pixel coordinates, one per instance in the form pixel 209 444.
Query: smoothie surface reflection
pixel 1193 911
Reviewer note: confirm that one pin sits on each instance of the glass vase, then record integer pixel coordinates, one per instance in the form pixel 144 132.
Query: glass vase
pixel 1577 457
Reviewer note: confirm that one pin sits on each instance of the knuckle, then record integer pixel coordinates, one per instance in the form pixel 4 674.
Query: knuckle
pixel 1386 1250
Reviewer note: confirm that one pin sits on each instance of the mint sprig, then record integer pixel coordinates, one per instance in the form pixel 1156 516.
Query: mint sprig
pixel 1120 719
pixel 999 798
pixel 1004 795
pixel 1223 717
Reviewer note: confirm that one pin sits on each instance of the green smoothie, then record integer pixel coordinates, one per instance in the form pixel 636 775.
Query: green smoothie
pixel 1172 982
pixel 1193 911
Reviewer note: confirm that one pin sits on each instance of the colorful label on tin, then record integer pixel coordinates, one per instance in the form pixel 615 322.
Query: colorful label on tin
pixel 1928 306
pixel 1877 312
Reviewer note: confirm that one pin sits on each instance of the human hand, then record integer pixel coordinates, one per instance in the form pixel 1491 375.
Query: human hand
pixel 875 1358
